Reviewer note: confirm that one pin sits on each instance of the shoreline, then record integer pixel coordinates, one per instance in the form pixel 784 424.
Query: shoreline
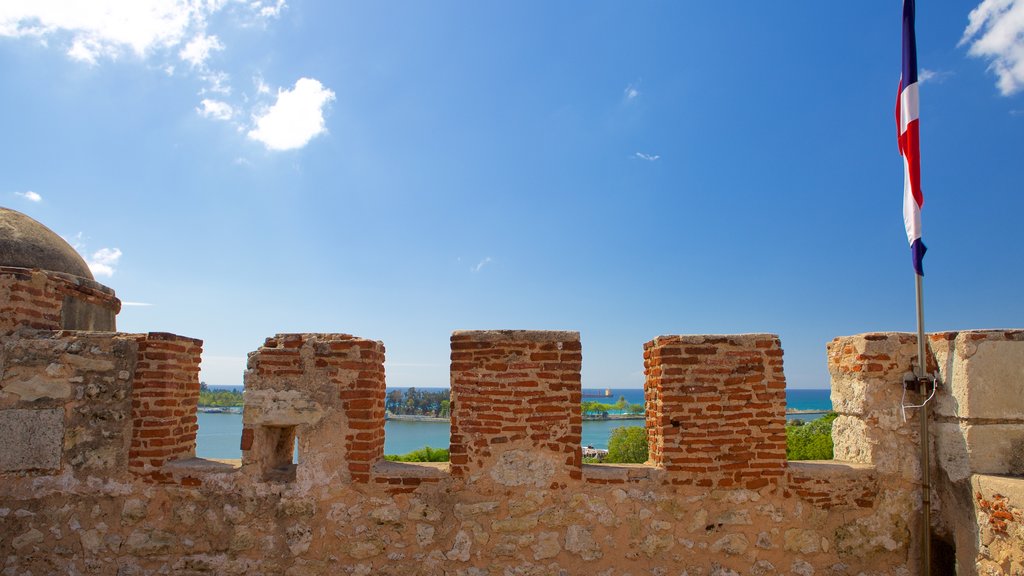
pixel 418 418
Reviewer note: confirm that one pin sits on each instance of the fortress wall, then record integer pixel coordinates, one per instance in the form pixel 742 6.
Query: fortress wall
pixel 716 409
pixel 165 393
pixel 509 508
pixel 45 300
pixel 516 395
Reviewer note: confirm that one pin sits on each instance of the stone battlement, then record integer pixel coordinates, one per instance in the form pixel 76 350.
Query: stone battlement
pixel 98 471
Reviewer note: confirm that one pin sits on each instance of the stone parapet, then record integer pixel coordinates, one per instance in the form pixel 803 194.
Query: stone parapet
pixel 325 390
pixel 867 390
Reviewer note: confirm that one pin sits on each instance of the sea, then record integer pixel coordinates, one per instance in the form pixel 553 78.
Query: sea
pixel 219 434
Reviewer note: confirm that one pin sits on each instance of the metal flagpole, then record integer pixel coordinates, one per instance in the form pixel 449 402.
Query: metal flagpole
pixel 923 382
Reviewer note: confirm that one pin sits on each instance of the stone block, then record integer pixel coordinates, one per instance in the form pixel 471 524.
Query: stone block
pixel 987 379
pixel 32 439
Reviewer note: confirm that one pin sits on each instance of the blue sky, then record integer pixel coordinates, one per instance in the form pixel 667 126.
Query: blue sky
pixel 401 170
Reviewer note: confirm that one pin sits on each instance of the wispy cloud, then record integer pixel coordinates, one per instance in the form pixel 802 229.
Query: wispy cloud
pixel 103 261
pixel 933 76
pixel 30 196
pixel 216 109
pixel 295 118
pixel 995 31
pixel 648 157
pixel 480 265
pixel 135 304
pixel 632 92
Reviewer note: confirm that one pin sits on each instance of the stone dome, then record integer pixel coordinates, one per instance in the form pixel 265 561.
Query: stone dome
pixel 26 243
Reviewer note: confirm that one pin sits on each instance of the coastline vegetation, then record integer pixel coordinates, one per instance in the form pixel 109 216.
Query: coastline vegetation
pixel 425 454
pixel 413 402
pixel 810 440
pixel 218 398
pixel 592 408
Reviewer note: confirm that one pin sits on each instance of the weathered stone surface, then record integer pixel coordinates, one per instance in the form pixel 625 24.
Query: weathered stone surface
pixel 580 540
pixel 523 468
pixel 731 544
pixel 548 545
pixel 460 548
pixel 802 541
pixel 986 379
pixel 280 408
pixel 150 542
pixel 32 439
pixel 37 387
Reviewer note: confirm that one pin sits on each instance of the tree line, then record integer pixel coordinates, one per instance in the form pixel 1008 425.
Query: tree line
pixel 418 402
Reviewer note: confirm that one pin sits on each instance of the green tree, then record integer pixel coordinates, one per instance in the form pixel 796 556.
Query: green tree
pixel 810 441
pixel 627 445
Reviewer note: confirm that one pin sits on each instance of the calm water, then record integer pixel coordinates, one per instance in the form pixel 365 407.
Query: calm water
pixel 219 434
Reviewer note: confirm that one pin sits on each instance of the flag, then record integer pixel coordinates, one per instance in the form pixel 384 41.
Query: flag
pixel 908 137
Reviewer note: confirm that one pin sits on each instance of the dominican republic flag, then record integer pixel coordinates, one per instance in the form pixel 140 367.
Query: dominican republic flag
pixel 908 138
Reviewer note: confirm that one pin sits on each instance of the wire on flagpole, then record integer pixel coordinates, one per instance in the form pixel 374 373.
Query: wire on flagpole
pixel 903 400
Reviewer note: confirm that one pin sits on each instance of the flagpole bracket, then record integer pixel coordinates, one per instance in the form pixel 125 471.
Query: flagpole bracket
pixel 914 383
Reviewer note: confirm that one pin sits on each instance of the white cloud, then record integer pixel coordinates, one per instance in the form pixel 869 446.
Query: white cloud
pixel 479 266
pixel 30 196
pixel 995 31
pixel 295 118
pixel 104 28
pixel 631 92
pixel 215 109
pixel 198 50
pixel 91 31
pixel 103 261
pixel 648 157
pixel 136 304
pixel 98 29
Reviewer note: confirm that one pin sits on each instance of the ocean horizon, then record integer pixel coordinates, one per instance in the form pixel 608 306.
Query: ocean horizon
pixel 220 435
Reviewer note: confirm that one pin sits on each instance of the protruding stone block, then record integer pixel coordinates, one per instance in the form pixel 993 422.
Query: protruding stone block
pixel 32 439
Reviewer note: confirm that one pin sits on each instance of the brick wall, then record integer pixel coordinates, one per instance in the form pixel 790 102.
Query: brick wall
pixel 515 389
pixel 28 300
pixel 327 390
pixel 828 485
pixel 716 409
pixel 51 301
pixel 165 392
